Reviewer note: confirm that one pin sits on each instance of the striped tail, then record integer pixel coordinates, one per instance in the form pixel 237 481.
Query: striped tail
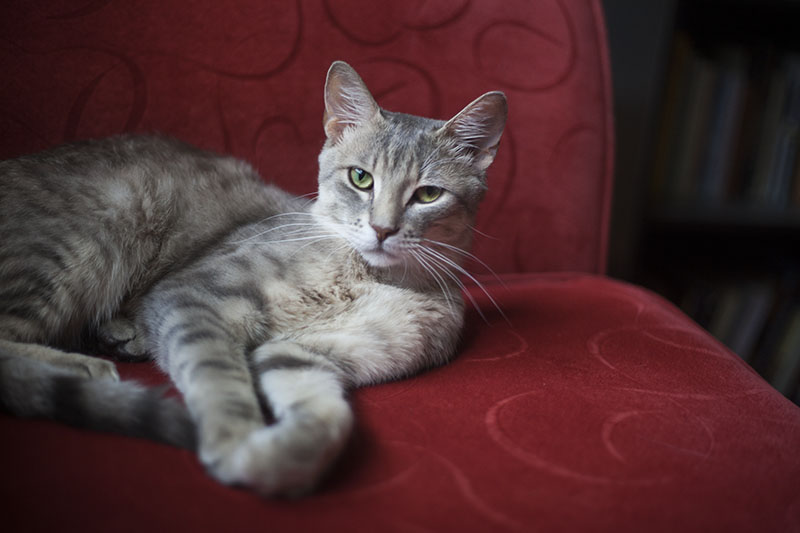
pixel 33 389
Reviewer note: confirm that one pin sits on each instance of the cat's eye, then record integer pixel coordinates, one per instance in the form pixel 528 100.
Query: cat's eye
pixel 361 178
pixel 426 195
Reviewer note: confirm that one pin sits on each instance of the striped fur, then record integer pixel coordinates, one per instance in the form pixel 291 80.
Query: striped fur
pixel 264 309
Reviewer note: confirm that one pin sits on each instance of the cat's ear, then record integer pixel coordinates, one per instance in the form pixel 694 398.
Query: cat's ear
pixel 348 102
pixel 478 127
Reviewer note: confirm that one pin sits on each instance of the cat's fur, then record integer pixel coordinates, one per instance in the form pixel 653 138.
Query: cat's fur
pixel 263 308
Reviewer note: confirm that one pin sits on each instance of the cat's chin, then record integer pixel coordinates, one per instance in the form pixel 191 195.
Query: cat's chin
pixel 380 258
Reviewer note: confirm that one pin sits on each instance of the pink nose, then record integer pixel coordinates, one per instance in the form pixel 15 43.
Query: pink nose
pixel 384 233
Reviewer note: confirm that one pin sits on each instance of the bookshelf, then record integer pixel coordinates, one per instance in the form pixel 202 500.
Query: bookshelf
pixel 720 231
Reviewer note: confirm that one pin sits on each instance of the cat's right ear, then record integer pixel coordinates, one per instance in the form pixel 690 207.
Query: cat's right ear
pixel 348 102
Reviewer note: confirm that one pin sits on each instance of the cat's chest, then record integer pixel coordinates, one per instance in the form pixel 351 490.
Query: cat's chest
pixel 337 302
pixel 300 303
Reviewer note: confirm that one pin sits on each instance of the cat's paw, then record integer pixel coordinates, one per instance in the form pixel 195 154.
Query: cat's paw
pixel 97 368
pixel 120 338
pixel 264 464
pixel 284 459
pixel 85 366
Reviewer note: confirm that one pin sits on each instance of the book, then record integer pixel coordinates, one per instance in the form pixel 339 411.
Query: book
pixel 692 130
pixel 741 176
pixel 757 302
pixel 767 147
pixel 779 183
pixel 675 99
pixel 724 127
pixel 785 368
pixel 740 314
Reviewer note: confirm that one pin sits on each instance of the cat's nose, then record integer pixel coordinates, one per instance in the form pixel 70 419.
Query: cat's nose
pixel 384 233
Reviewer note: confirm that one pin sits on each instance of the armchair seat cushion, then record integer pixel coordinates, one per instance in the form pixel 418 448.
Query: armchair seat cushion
pixel 593 405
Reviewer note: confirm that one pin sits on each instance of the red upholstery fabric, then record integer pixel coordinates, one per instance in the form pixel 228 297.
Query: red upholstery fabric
pixel 597 406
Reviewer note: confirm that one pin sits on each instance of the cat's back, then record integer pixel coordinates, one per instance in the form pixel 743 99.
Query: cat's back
pixel 122 172
pixel 123 210
pixel 146 185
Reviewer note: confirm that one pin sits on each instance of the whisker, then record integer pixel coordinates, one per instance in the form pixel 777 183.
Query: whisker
pixel 312 196
pixel 436 276
pixel 449 262
pixel 298 239
pixel 458 282
pixel 337 249
pixel 469 256
pixel 312 223
pixel 320 239
pixel 482 234
pixel 287 214
pixel 405 269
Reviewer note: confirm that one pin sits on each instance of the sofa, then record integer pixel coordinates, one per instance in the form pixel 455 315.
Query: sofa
pixel 577 402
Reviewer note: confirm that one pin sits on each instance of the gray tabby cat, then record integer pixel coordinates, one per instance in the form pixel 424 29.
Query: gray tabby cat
pixel 263 308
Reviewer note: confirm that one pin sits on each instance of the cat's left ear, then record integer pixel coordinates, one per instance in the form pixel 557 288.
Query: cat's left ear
pixel 348 102
pixel 478 127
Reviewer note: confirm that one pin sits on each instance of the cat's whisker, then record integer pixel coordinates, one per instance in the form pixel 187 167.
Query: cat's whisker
pixel 274 228
pixel 312 197
pixel 452 264
pixel 298 239
pixel 313 242
pixel 469 256
pixel 343 246
pixel 286 214
pixel 436 276
pixel 344 231
pixel 481 233
pixel 436 263
pixel 405 270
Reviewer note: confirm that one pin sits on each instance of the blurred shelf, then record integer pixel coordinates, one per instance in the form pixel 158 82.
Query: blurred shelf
pixel 720 233
pixel 726 218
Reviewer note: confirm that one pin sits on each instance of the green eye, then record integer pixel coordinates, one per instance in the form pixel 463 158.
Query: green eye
pixel 427 195
pixel 361 178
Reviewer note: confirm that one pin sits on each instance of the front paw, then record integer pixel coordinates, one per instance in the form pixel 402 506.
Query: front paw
pixel 287 458
pixel 120 338
pixel 263 463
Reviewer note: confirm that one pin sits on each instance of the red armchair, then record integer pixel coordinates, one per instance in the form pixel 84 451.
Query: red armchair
pixel 596 406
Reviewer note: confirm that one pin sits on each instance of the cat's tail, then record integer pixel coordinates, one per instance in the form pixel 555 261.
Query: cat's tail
pixel 33 389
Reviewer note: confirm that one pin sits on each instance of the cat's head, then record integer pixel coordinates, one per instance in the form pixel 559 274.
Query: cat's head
pixel 396 185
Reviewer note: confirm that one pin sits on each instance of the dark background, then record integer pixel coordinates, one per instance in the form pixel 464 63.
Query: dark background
pixel 689 74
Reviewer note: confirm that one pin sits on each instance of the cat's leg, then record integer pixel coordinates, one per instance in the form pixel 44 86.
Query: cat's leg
pixel 302 390
pixel 210 368
pixel 198 333
pixel 313 421
pixel 72 363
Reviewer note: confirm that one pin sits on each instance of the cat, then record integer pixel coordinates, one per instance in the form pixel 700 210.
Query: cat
pixel 263 308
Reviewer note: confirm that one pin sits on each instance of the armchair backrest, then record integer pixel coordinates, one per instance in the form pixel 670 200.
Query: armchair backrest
pixel 246 78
